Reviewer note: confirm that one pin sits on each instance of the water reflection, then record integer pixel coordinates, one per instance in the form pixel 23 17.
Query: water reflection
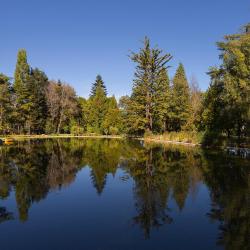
pixel 229 182
pixel 160 174
pixel 5 215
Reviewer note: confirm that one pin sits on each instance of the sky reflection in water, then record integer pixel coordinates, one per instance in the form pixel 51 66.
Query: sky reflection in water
pixel 118 194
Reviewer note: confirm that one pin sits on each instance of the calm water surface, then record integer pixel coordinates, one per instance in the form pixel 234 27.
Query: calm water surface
pixel 117 194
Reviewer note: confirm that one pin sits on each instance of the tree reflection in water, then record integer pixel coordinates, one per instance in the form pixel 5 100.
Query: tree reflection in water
pixel 228 179
pixel 5 215
pixel 159 173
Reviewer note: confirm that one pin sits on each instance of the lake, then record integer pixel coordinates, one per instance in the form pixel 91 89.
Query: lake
pixel 121 194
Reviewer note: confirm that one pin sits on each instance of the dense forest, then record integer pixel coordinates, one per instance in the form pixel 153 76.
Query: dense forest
pixel 30 103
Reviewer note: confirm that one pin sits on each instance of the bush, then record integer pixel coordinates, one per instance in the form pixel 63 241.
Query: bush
pixel 76 130
pixel 114 131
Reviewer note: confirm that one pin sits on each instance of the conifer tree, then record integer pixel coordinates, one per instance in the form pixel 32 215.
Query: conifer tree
pixel 97 108
pixel 98 83
pixel 180 100
pixel 5 104
pixel 150 63
pixel 22 74
pixel 37 85
pixel 162 101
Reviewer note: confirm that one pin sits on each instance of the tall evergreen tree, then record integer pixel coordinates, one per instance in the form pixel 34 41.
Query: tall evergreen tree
pixel 97 108
pixel 22 74
pixel 37 115
pixel 180 100
pixel 98 83
pixel 162 101
pixel 5 104
pixel 227 100
pixel 150 64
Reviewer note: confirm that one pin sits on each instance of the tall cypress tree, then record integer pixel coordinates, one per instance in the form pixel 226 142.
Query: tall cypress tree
pixel 180 100
pixel 98 83
pixel 22 74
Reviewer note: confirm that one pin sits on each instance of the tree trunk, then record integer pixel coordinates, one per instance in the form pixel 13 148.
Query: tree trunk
pixel 59 125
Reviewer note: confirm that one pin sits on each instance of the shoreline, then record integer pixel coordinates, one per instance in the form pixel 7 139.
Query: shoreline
pixel 23 137
pixel 171 142
pixel 149 140
pixel 232 150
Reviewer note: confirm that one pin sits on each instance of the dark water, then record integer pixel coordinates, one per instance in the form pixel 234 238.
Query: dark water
pixel 116 194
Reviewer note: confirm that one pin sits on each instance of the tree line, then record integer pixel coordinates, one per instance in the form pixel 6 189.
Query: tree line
pixel 33 104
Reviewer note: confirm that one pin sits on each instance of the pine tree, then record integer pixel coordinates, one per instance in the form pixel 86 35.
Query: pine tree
pixel 180 100
pixel 37 115
pixel 162 101
pixel 98 83
pixel 150 63
pixel 5 104
pixel 97 108
pixel 22 74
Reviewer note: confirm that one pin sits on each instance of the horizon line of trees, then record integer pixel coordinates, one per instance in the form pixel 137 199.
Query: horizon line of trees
pixel 32 104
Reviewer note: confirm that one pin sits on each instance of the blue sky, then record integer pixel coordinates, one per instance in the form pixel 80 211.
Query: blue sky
pixel 75 40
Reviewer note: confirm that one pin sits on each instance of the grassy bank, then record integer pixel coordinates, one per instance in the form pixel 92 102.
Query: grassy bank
pixel 190 139
pixel 22 137
pixel 185 138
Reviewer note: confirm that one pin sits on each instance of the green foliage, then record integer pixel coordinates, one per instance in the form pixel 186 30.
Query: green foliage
pixel 162 100
pixel 76 128
pixel 22 71
pixel 97 109
pixel 34 105
pixel 180 100
pixel 227 102
pixel 37 109
pixel 22 75
pixel 111 122
pixel 99 83
pixel 5 105
pixel 150 80
pixel 101 113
